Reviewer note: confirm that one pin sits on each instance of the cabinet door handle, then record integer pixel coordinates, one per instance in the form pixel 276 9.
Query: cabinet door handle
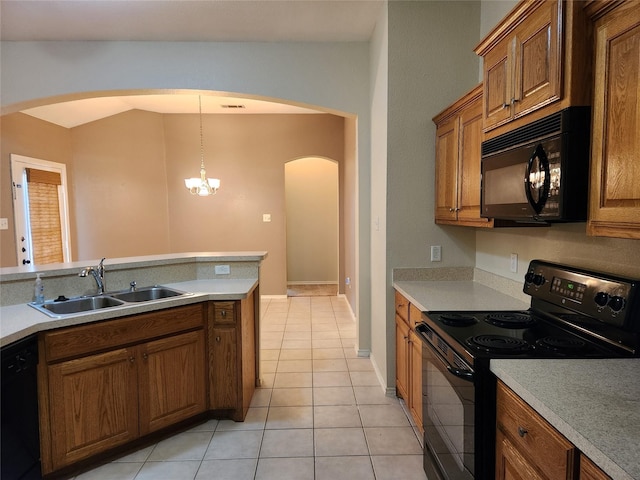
pixel 506 105
pixel 145 356
pixel 132 359
pixel 223 313
pixel 218 339
pixel 522 432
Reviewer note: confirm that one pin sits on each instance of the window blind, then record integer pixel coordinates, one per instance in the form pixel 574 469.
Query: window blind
pixel 44 216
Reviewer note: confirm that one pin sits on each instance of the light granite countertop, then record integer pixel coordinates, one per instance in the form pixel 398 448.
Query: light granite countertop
pixel 20 321
pixel 456 295
pixel 594 403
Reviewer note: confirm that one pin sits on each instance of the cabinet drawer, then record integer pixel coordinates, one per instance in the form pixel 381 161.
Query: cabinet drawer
pixel 533 436
pixel 402 306
pixel 91 338
pixel 224 312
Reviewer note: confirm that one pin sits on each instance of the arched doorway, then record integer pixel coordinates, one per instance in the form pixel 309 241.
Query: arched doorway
pixel 312 232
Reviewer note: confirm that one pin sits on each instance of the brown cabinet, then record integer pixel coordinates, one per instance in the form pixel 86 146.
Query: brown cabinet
pixel 149 374
pixel 590 471
pixel 614 208
pixel 527 447
pixel 408 358
pixel 232 356
pixel 458 152
pixel 528 61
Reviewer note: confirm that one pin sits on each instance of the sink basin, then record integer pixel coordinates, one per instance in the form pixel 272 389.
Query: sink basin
pixel 146 294
pixel 79 305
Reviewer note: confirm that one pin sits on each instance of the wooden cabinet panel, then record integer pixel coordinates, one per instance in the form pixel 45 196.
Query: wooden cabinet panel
pixel 458 162
pixel 510 464
pixel 232 356
pixel 402 358
pixel 415 374
pixel 93 337
pixel 171 380
pixel 402 306
pixel 614 208
pixel 551 454
pixel 590 471
pixel 538 59
pixel 447 170
pixel 223 369
pixel 94 405
pixel 535 62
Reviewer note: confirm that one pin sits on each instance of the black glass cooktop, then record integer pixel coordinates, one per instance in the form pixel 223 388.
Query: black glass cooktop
pixel 520 334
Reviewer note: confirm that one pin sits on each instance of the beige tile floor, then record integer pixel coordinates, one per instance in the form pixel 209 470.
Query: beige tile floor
pixel 320 414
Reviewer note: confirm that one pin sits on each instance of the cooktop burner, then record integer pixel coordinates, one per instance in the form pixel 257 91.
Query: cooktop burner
pixel 458 319
pixel 498 344
pixel 510 319
pixel 562 345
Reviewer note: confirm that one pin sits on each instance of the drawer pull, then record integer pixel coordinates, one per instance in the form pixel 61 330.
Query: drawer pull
pixel 522 432
pixel 223 313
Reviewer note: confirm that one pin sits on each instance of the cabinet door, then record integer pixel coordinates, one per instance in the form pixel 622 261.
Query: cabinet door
pixel 415 381
pixel 172 380
pixel 537 59
pixel 498 83
pixel 223 368
pixel 447 170
pixel 470 163
pixel 614 208
pixel 94 405
pixel 402 358
pixel 510 464
pixel 590 471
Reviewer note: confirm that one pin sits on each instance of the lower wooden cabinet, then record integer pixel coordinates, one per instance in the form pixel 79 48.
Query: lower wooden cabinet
pixel 590 471
pixel 232 356
pixel 527 446
pixel 137 384
pixel 409 358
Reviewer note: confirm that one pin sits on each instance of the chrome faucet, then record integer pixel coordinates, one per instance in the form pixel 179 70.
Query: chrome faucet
pixel 98 275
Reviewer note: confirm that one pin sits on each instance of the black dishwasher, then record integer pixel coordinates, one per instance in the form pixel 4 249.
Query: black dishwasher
pixel 20 435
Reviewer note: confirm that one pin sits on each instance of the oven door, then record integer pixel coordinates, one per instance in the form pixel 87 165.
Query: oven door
pixel 448 411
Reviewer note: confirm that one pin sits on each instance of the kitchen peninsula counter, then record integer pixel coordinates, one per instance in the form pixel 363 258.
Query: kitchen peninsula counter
pixel 594 403
pixel 192 273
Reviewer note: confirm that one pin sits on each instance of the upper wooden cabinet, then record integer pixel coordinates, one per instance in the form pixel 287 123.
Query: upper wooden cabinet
pixel 536 62
pixel 458 144
pixel 614 209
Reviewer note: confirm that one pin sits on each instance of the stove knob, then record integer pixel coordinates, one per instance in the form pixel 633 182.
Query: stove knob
pixel 616 303
pixel 601 299
pixel 528 278
pixel 538 279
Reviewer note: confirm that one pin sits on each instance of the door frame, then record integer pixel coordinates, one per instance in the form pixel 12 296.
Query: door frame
pixel 21 205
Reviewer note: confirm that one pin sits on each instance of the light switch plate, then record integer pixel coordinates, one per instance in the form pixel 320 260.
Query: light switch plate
pixel 514 263
pixel 266 217
pixel 222 269
pixel 436 253
pixel 4 224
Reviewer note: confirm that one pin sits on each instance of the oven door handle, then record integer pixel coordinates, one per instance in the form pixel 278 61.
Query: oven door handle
pixel 455 371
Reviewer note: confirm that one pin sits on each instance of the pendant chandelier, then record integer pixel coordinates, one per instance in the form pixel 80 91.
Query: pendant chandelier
pixel 202 186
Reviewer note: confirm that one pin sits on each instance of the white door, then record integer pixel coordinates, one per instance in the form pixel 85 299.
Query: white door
pixel 29 240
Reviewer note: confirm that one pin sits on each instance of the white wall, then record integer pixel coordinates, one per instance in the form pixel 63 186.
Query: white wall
pixel 430 64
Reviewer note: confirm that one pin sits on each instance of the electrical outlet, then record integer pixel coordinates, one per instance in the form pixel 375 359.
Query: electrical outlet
pixel 222 269
pixel 514 263
pixel 266 217
pixel 4 224
pixel 436 253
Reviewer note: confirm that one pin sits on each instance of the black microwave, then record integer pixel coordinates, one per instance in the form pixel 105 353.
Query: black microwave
pixel 539 172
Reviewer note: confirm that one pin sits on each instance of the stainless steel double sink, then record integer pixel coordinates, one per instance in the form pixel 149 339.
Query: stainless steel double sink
pixel 59 307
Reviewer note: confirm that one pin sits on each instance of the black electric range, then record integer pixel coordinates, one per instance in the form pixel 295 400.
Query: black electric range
pixel 574 313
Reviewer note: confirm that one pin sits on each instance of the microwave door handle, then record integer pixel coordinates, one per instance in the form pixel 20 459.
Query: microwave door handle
pixel 544 163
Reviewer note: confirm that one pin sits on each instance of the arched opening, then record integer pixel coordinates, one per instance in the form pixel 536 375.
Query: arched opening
pixel 312 226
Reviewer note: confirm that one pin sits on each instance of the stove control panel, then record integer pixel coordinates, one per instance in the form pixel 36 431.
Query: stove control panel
pixel 607 298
